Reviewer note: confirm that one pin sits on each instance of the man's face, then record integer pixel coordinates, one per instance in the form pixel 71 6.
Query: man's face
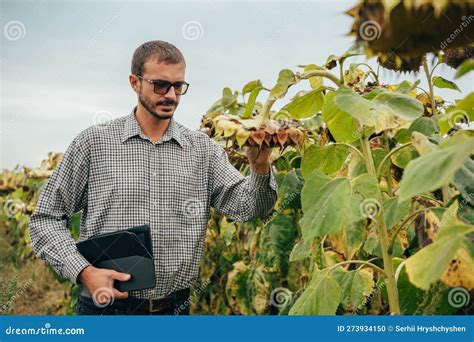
pixel 160 106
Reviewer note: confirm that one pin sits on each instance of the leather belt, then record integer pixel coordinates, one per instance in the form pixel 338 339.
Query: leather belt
pixel 152 305
pixel 149 305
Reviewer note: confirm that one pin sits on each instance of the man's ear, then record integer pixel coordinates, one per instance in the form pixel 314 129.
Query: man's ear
pixel 134 83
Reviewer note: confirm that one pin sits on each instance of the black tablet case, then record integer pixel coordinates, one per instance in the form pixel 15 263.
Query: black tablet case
pixel 127 251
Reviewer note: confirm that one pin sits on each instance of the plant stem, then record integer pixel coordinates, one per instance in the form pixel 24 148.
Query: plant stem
pixel 372 72
pixel 369 161
pixel 266 108
pixel 321 252
pixel 392 290
pixel 341 72
pixel 445 192
pixel 431 199
pixel 396 149
pixel 423 90
pixel 322 73
pixel 430 85
pixel 375 267
pixel 355 149
pixel 370 260
pixel 411 216
pixel 389 176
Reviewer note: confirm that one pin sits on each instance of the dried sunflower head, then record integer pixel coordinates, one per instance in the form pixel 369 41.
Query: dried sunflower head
pixel 251 132
pixel 395 62
pixel 412 28
pixel 455 57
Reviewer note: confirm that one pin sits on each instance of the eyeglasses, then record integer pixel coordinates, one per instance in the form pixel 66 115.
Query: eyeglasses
pixel 162 87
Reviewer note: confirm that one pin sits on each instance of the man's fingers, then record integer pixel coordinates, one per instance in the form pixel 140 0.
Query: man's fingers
pixel 103 296
pixel 119 295
pixel 120 276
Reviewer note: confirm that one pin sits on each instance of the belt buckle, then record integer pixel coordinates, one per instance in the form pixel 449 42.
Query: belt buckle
pixel 151 307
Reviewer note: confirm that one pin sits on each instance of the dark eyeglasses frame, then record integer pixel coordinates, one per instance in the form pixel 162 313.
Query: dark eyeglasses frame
pixel 161 84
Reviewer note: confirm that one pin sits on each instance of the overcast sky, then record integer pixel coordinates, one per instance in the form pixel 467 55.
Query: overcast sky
pixel 65 65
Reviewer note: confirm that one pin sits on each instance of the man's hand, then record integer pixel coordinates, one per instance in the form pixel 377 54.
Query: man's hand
pixel 100 283
pixel 259 159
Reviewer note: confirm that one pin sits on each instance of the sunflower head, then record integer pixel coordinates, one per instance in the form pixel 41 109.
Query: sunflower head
pixel 395 62
pixel 455 57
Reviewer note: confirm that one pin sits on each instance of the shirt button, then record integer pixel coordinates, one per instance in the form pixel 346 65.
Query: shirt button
pixel 155 174
pixel 154 203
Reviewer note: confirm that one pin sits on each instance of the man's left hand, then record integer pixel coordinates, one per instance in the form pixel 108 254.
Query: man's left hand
pixel 259 158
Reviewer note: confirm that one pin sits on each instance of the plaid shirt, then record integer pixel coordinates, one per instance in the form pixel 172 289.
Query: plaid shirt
pixel 119 179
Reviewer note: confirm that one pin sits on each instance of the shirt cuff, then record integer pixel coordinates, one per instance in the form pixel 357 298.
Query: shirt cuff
pixel 73 265
pixel 259 181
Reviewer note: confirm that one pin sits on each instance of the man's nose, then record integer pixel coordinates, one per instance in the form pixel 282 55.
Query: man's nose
pixel 171 94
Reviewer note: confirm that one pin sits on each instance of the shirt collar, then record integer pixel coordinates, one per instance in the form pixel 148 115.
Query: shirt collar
pixel 132 128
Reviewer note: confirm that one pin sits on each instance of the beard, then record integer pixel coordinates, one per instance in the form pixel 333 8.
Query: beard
pixel 150 107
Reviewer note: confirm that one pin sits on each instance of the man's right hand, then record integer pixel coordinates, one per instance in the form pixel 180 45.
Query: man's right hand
pixel 100 283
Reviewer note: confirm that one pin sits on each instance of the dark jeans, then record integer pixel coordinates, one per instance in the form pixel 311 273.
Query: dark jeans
pixel 85 306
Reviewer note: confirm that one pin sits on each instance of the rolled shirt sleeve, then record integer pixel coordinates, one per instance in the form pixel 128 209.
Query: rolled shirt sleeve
pixel 64 194
pixel 237 197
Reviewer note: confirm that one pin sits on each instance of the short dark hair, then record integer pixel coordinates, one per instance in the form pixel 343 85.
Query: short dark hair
pixel 164 52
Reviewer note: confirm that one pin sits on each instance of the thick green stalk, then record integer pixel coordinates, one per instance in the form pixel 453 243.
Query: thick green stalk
pixel 383 236
pixel 266 108
pixel 430 85
pixel 341 72
pixel 389 173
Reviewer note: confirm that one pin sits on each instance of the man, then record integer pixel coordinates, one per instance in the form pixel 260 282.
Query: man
pixel 145 168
